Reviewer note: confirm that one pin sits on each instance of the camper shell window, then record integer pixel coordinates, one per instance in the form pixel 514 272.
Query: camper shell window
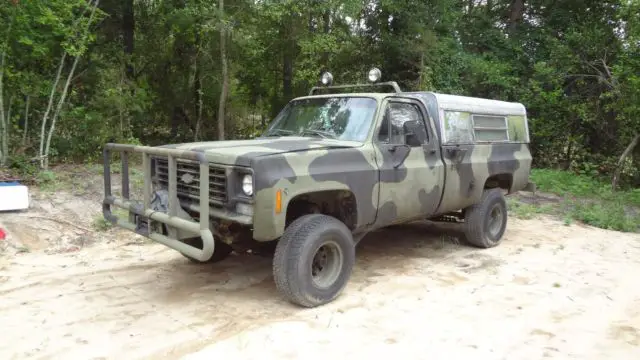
pixel 490 128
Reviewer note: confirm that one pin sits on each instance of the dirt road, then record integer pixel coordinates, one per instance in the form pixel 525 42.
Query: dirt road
pixel 550 291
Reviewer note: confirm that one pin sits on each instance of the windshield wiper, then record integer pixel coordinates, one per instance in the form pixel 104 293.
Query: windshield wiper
pixel 280 132
pixel 324 134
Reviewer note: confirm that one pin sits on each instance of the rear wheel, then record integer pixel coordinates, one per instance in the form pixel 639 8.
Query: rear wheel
pixel 313 260
pixel 486 222
pixel 221 250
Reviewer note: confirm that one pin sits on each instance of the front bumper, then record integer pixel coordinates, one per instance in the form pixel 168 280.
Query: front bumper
pixel 177 225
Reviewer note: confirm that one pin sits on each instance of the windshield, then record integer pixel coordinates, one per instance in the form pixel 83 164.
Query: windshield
pixel 344 118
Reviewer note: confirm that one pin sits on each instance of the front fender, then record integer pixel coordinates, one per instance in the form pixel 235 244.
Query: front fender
pixel 269 217
pixel 293 174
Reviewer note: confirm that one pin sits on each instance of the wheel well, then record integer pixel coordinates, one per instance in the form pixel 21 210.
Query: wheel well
pixel 340 204
pixel 502 181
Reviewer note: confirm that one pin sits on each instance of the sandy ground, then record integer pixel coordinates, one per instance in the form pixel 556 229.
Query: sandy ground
pixel 549 291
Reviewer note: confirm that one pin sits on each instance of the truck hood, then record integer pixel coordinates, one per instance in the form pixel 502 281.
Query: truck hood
pixel 242 152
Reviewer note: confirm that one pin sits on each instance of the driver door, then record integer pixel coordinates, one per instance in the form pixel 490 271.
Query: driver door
pixel 411 171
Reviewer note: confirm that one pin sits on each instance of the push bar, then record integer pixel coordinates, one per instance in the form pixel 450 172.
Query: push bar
pixel 171 218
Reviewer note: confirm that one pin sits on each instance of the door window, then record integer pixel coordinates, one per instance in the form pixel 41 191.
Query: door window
pixel 403 124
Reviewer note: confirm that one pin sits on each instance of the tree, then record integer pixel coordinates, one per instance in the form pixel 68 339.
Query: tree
pixel 225 73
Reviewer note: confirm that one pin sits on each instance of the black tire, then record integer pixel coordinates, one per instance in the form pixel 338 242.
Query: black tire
pixel 295 262
pixel 220 252
pixel 486 222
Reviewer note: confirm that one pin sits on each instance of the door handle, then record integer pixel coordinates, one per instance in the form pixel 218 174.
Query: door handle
pixel 456 151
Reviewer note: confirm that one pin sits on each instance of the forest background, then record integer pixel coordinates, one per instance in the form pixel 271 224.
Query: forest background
pixel 75 74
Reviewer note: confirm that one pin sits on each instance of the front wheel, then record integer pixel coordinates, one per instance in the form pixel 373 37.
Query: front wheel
pixel 486 222
pixel 313 260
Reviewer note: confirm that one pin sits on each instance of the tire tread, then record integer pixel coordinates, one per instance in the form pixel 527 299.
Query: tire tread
pixel 288 255
pixel 475 216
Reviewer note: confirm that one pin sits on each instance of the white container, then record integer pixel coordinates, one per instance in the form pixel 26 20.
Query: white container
pixel 13 196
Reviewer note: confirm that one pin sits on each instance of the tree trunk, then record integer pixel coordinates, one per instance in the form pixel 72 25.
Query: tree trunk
pixel 326 18
pixel 44 156
pixel 5 132
pixel 197 86
pixel 121 103
pixel 287 78
pixel 198 93
pixel 516 12
pixel 225 75
pixel 128 31
pixel 63 97
pixel 274 100
pixel 4 123
pixel 287 62
pixel 421 73
pixel 627 151
pixel 26 122
pixel 45 116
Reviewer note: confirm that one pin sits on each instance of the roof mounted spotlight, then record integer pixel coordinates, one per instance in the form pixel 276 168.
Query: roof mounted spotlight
pixel 374 75
pixel 326 79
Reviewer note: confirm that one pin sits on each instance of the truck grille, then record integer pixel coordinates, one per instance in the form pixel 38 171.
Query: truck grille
pixel 191 191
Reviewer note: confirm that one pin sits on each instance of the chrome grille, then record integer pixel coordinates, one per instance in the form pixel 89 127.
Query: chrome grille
pixel 191 190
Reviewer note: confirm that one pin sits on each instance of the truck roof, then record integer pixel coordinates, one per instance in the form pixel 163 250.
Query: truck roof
pixel 474 104
pixel 445 101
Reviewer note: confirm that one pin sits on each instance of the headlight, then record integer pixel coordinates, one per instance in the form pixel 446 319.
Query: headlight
pixel 247 185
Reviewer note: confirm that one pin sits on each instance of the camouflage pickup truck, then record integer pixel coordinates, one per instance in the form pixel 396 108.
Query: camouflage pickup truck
pixel 331 167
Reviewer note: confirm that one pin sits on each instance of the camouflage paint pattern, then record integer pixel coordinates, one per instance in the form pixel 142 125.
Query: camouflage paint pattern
pixel 470 167
pixel 432 179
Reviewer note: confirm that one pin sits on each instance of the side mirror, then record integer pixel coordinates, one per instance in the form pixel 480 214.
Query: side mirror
pixel 413 133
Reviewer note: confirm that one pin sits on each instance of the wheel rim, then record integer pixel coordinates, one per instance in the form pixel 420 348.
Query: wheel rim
pixel 326 264
pixel 496 218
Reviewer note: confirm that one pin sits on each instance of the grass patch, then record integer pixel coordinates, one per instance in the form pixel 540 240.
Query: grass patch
pixel 523 210
pixel 101 224
pixel 565 183
pixel 584 199
pixel 612 215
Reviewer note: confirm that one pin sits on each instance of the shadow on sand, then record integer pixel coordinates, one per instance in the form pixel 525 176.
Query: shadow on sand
pixel 248 278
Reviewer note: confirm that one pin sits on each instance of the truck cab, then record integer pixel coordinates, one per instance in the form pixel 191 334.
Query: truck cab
pixel 329 169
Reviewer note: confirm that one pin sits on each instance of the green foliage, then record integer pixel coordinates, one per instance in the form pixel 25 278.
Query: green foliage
pixel 101 224
pixel 28 172
pixel 575 65
pixel 23 168
pixel 526 211
pixel 583 199
pixel 46 178
pixel 570 184
pixel 612 215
